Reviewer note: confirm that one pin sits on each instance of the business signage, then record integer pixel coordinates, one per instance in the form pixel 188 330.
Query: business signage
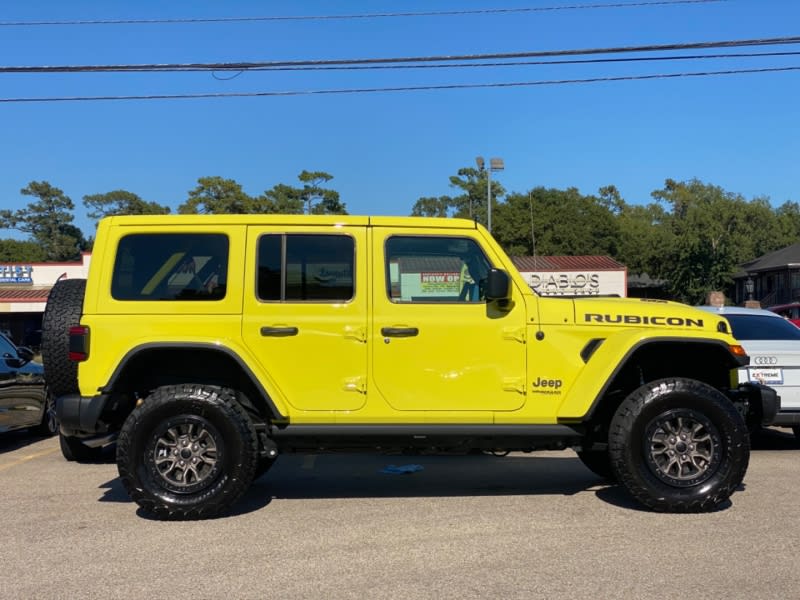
pixel 578 283
pixel 16 274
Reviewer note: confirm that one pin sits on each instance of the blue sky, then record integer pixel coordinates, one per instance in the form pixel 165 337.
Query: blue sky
pixel 386 150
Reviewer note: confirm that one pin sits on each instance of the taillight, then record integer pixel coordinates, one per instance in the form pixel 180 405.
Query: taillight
pixel 78 343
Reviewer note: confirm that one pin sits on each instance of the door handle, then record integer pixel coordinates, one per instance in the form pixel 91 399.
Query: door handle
pixel 399 331
pixel 278 331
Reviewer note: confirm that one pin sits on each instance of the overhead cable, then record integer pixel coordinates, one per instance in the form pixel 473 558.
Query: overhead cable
pixel 243 66
pixel 439 13
pixel 517 63
pixel 456 86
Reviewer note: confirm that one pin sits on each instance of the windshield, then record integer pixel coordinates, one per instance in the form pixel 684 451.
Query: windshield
pixel 757 327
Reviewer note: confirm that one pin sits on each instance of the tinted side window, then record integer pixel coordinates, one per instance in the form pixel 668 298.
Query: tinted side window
pixel 435 269
pixel 301 268
pixel 762 328
pixel 171 266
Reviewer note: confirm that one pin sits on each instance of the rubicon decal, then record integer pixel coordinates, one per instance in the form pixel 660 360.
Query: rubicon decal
pixel 643 320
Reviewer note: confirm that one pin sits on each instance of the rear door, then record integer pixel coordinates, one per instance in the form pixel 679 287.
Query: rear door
pixel 305 314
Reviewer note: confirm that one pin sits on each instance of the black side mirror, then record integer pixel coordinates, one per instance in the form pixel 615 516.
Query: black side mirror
pixel 498 285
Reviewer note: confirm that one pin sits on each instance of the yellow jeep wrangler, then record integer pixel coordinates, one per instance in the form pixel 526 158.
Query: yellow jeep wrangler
pixel 206 346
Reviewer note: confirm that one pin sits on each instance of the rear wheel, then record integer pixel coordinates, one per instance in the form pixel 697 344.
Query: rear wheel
pixel 73 449
pixel 796 430
pixel 679 445
pixel 187 452
pixel 49 424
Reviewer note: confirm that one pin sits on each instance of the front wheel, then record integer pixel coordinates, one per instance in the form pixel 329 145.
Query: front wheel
pixel 187 452
pixel 679 445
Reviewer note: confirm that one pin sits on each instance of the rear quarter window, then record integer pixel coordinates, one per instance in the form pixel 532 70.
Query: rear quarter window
pixel 171 266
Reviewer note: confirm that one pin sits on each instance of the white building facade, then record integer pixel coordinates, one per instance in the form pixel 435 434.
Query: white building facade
pixel 23 294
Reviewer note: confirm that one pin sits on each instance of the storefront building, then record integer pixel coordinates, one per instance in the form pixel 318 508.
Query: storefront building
pixel 573 275
pixel 23 294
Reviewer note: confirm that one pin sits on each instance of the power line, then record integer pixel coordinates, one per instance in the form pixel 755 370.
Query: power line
pixel 442 13
pixel 457 86
pixel 243 66
pixel 586 61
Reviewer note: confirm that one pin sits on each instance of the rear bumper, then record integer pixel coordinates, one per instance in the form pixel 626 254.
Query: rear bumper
pixel 79 416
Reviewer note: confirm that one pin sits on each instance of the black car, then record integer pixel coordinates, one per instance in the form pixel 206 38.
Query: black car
pixel 24 400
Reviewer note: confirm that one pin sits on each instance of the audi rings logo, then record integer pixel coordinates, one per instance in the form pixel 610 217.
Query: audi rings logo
pixel 765 360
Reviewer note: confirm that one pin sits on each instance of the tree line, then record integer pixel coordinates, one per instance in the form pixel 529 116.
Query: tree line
pixel 692 235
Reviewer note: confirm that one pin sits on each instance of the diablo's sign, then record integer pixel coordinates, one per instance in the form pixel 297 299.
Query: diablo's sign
pixel 565 284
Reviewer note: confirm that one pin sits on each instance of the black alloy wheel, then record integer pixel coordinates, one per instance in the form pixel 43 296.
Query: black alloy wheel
pixel 679 445
pixel 187 452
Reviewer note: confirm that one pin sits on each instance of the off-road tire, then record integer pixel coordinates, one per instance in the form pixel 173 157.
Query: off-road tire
pixel 598 462
pixel 73 450
pixel 197 479
pixel 63 310
pixel 702 429
pixel 49 424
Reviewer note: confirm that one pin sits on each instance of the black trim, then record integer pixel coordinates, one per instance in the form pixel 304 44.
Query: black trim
pixel 590 348
pixel 109 386
pixel 279 331
pixel 736 362
pixel 78 413
pixel 368 430
pixel 399 331
pixel 427 438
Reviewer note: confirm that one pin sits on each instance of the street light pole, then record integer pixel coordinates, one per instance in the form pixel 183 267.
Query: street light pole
pixel 495 164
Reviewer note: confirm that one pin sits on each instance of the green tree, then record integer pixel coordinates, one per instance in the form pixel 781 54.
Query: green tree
pixel 562 221
pixel 312 198
pixel 432 207
pixel 713 232
pixel 21 251
pixel 328 202
pixel 120 202
pixel 471 203
pixel 217 195
pixel 48 221
pixel 281 199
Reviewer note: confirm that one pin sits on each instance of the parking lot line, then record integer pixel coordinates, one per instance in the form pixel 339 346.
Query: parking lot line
pixel 27 458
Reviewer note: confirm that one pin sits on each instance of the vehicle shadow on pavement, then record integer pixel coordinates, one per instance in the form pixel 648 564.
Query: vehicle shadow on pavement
pixel 113 491
pixel 774 438
pixel 14 440
pixel 398 476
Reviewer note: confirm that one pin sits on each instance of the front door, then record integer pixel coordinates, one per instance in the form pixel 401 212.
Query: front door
pixel 437 344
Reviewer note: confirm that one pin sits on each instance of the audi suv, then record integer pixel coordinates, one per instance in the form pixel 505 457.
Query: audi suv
pixel 773 344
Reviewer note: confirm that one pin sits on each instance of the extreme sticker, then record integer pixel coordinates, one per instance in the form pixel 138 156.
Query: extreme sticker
pixel 643 320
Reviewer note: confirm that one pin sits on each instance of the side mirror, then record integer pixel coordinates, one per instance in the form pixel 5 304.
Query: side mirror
pixel 498 285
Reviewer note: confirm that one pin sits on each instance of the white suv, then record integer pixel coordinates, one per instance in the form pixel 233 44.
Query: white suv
pixel 773 344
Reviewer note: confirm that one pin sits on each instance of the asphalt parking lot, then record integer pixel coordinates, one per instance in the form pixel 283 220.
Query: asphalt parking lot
pixel 335 526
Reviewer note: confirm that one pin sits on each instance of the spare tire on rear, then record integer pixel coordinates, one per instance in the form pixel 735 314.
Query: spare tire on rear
pixel 63 310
